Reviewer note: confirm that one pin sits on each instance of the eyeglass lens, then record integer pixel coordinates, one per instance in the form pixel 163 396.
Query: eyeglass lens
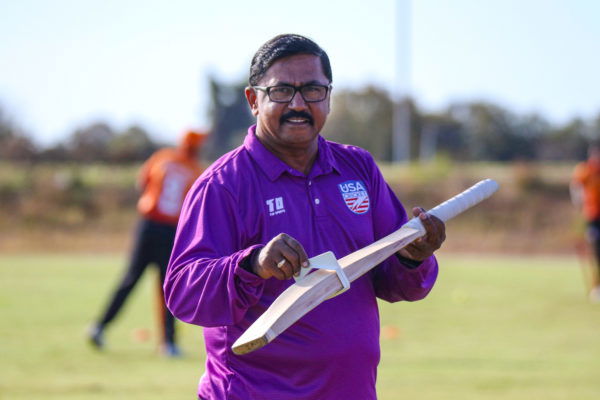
pixel 308 92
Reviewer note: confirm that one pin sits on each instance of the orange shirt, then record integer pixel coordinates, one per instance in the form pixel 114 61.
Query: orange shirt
pixel 587 174
pixel 165 180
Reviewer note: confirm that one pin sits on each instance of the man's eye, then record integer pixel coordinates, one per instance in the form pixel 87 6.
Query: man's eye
pixel 281 90
pixel 312 89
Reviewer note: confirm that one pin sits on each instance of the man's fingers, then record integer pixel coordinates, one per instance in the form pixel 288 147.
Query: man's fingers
pixel 435 228
pixel 436 231
pixel 281 258
pixel 434 237
pixel 295 253
pixel 414 252
pixel 265 265
pixel 429 223
pixel 406 253
pixel 288 264
pixel 432 224
pixel 416 211
pixel 284 269
pixel 291 257
pixel 281 263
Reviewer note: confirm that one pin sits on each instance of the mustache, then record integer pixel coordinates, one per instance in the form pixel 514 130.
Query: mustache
pixel 296 114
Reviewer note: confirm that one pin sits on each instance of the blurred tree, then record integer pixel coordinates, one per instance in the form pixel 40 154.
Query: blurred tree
pixel 14 143
pixel 6 126
pixel 441 133
pixel 91 143
pixel 133 144
pixel 18 147
pixel 230 117
pixel 569 142
pixel 493 133
pixel 362 118
pixel 56 153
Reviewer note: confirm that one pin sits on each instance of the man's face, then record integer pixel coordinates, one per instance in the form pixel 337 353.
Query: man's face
pixel 295 124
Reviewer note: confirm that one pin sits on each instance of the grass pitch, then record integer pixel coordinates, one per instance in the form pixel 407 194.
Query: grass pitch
pixel 493 328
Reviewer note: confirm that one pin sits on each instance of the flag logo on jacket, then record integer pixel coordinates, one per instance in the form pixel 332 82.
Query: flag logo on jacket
pixel 355 196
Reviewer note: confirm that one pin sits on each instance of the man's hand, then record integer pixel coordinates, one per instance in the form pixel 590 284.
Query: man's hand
pixel 424 247
pixel 281 258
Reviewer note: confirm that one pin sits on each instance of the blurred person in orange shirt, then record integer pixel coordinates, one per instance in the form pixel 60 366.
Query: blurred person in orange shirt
pixel 585 194
pixel 164 181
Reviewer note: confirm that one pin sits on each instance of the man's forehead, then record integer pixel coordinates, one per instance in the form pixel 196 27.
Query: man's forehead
pixel 297 69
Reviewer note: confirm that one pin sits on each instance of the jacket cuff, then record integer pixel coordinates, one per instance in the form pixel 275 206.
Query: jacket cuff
pixel 243 269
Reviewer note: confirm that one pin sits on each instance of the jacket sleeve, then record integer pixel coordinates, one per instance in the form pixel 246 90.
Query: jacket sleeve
pixel 205 283
pixel 394 281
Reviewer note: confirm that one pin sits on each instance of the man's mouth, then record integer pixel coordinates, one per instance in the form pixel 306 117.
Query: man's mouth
pixel 297 119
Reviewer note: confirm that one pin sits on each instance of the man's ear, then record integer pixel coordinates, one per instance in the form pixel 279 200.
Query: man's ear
pixel 252 100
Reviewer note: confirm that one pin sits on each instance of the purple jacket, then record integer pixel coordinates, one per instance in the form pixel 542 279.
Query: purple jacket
pixel 241 202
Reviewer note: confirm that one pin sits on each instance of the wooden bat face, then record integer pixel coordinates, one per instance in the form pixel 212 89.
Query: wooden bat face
pixel 306 294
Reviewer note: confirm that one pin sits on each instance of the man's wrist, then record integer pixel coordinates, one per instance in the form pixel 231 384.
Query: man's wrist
pixel 248 262
pixel 408 263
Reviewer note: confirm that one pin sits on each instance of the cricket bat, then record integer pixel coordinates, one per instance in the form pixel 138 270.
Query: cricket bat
pixel 316 287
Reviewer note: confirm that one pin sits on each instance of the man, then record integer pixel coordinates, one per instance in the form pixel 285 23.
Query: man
pixel 254 218
pixel 164 179
pixel 585 193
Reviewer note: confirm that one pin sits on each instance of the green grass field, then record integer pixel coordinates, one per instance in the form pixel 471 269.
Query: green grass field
pixel 493 328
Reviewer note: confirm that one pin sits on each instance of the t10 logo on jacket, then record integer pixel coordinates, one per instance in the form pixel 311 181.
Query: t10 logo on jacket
pixel 275 206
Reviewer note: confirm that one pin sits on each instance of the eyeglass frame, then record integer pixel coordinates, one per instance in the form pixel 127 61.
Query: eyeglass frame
pixel 297 89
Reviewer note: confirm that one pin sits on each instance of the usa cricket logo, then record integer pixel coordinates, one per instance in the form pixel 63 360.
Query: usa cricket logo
pixel 355 196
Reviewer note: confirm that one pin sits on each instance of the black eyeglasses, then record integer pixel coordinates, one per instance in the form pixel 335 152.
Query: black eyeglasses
pixel 285 93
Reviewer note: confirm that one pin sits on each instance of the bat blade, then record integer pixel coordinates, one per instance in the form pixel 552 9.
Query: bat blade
pixel 298 299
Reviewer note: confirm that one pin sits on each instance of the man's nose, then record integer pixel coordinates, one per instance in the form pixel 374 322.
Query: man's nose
pixel 297 102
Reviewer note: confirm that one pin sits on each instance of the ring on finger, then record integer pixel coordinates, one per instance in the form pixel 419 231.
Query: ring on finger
pixel 281 263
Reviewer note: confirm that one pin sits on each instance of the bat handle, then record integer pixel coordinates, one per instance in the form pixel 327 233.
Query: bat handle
pixel 459 203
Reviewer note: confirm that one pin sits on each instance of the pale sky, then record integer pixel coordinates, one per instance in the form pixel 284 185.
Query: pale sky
pixel 65 63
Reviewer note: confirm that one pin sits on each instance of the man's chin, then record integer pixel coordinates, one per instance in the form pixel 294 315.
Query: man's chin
pixel 305 130
pixel 297 137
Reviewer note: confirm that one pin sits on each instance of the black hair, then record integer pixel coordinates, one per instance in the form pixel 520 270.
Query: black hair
pixel 282 46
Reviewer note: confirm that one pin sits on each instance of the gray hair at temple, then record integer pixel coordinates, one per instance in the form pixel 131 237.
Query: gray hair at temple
pixel 282 46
